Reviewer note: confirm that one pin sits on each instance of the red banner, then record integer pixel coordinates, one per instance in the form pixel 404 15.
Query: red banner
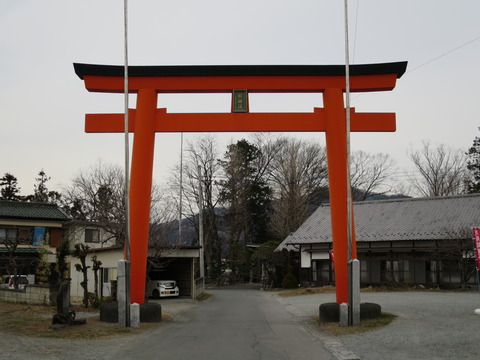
pixel 476 244
pixel 331 256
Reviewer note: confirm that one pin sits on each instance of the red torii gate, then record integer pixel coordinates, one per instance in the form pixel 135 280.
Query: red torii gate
pixel 146 120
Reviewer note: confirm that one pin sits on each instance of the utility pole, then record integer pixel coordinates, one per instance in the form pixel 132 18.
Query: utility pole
pixel 200 222
pixel 180 205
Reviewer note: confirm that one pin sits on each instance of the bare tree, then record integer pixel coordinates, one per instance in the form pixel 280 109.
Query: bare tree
pixel 81 252
pixel 298 170
pixel 458 252
pixel 441 171
pixel 270 146
pixel 370 174
pixel 96 267
pixel 202 152
pixel 161 235
pixel 97 195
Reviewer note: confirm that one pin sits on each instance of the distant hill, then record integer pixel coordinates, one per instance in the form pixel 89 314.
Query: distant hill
pixel 170 232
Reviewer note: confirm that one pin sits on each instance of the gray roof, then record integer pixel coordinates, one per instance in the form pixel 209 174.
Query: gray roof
pixel 20 210
pixel 394 220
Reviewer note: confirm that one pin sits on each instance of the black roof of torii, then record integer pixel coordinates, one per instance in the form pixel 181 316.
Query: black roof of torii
pixel 398 68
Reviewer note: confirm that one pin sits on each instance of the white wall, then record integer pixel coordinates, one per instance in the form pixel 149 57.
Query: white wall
pixel 109 259
pixel 312 252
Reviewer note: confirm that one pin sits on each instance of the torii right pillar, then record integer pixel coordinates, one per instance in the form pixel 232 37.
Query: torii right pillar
pixel 336 141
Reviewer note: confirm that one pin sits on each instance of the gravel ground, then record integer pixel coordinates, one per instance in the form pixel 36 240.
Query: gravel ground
pixel 30 348
pixel 430 325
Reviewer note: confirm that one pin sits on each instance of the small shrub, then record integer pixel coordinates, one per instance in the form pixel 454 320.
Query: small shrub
pixel 289 281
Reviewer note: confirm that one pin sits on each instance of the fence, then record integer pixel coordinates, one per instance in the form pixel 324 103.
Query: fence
pixel 32 294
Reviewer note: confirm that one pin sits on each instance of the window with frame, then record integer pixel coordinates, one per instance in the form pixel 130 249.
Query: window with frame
pixel 92 235
pixel 18 235
pixel 8 233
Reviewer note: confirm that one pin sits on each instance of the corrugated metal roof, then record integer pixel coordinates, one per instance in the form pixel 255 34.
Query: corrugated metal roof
pixel 394 220
pixel 31 211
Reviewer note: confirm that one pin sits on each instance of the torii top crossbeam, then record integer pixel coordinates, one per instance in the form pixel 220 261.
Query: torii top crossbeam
pixel 222 78
pixel 146 119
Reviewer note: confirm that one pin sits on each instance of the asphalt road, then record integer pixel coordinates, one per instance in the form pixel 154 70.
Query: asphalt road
pixel 243 323
pixel 233 324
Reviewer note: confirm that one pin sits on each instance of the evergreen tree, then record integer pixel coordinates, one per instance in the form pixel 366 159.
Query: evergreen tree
pixel 9 188
pixel 245 192
pixel 247 199
pixel 473 165
pixel 41 192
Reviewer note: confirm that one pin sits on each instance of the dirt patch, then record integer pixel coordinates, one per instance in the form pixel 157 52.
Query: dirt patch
pixel 36 321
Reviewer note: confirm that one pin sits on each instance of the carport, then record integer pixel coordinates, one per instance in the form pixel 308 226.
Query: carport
pixel 182 265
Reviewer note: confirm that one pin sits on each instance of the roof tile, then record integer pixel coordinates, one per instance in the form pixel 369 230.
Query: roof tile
pixel 399 219
pixel 31 211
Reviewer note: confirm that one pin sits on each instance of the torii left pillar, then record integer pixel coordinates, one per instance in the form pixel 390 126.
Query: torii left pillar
pixel 140 190
pixel 148 81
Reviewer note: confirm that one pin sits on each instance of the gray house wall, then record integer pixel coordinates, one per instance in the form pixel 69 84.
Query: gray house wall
pixel 427 263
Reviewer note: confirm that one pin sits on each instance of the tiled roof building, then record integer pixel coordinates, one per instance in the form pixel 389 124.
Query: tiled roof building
pixel 29 230
pixel 396 239
pixel 31 211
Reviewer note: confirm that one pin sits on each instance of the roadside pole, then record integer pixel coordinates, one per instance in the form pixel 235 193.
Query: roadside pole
pixel 200 225
pixel 476 248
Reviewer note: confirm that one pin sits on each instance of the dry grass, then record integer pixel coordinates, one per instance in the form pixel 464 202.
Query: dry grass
pixel 331 289
pixel 36 321
pixel 309 291
pixel 366 325
pixel 333 327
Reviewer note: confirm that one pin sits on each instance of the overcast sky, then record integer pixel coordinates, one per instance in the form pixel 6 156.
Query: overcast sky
pixel 43 102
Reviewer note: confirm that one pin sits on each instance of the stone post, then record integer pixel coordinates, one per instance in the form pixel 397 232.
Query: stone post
pixel 354 293
pixel 123 293
pixel 343 314
pixel 135 315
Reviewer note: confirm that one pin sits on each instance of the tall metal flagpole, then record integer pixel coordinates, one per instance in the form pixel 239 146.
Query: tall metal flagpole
pixel 126 319
pixel 347 115
pixel 353 264
pixel 127 143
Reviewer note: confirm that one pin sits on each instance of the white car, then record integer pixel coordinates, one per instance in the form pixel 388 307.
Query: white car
pixel 162 288
pixel 8 282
